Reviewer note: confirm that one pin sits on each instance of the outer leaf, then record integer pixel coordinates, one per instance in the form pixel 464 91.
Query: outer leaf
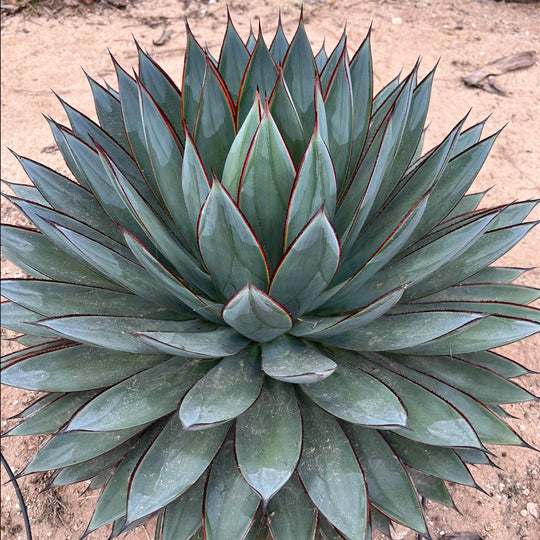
pixel 142 398
pixel 415 328
pixel 330 473
pixel 260 74
pixel 268 444
pixel 265 187
pixel 434 460
pixel 291 514
pixel 172 464
pixel 299 72
pixel 308 266
pixel 425 411
pixel 112 503
pixel 230 504
pixel 288 359
pixel 280 45
pixel 314 186
pixel 233 59
pixel 183 518
pixel 230 250
pixel 67 449
pixel 223 393
pixel 255 315
pixel 73 368
pixel 215 127
pixel 162 89
pixel 390 489
pixel 495 362
pixel 355 396
pixel 431 488
pixel 52 417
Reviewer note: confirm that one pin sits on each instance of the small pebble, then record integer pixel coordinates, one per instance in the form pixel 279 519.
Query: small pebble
pixel 532 508
pixel 396 20
pixel 524 513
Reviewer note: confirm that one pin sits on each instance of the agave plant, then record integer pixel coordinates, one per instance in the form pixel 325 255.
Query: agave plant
pixel 260 308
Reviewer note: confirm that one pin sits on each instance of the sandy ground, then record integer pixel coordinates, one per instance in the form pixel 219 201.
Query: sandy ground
pixel 46 51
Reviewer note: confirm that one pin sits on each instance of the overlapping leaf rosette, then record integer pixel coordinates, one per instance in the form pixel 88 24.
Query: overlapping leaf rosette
pixel 260 309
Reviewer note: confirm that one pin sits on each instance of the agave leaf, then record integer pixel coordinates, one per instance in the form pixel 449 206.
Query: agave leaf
pixel 327 531
pixel 202 342
pixel 165 153
pixel 411 136
pixel 435 460
pixel 390 489
pixel 513 213
pixel 73 367
pixel 117 267
pixel 206 308
pixel 36 405
pixel 234 165
pixel 287 119
pixel 68 197
pixel 59 134
pixel 332 61
pixel 362 91
pixel 67 449
pixel 425 411
pixel 30 193
pixel 192 80
pixel 288 359
pixel 172 464
pixel 355 396
pixel 20 319
pixel 487 249
pixel 493 331
pixel 55 299
pixel 37 255
pixel 307 267
pixel 490 429
pixel 163 91
pixel 267 445
pixel 195 187
pixel 52 417
pixel 135 128
pixel 291 514
pixel 467 204
pixel 430 487
pixel 260 74
pixel 415 329
pixel 104 191
pixel 109 113
pixel 230 505
pixel 279 45
pixel 469 137
pixel 485 288
pixel 183 517
pixel 141 398
pixel 425 261
pixel 321 58
pixel 112 503
pixel 160 235
pixel 299 73
pixel 215 126
pixel 230 249
pixel 338 102
pixel 495 362
pixel 265 187
pixel 473 456
pixel 454 181
pixel 256 315
pixel 93 467
pixel 330 473
pixel 379 521
pixel 117 333
pixel 323 327
pixel 224 392
pixel 30 341
pixel 233 59
pixel 314 186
